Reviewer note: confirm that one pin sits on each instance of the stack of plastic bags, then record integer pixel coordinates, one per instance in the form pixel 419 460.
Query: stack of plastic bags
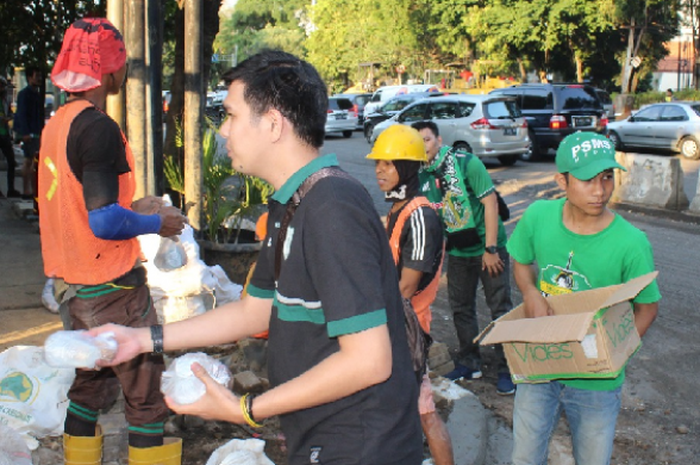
pixel 181 284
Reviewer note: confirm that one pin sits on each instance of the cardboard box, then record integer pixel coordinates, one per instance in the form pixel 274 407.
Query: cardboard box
pixel 591 335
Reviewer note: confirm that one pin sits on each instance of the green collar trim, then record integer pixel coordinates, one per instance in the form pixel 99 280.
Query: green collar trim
pixel 290 187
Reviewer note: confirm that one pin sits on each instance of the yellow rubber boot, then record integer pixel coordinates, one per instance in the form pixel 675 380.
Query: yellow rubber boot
pixel 170 453
pixel 82 450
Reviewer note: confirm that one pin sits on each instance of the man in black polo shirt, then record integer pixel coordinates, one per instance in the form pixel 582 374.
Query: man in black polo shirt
pixel 340 370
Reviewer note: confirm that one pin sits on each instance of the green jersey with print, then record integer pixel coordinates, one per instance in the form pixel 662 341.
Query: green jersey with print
pixel 569 262
pixel 440 183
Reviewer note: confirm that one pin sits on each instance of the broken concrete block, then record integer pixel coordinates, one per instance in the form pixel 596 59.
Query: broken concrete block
pixel 650 180
pixel 247 381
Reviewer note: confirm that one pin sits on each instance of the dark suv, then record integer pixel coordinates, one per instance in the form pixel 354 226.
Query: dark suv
pixel 553 111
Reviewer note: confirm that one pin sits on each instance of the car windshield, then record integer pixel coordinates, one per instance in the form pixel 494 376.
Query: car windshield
pixel 576 97
pixel 502 109
pixel 396 104
pixel 339 104
pixel 696 109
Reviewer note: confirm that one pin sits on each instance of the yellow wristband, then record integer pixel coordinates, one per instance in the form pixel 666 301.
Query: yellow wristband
pixel 246 414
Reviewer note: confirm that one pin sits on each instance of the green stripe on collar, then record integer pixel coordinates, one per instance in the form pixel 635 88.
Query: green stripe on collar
pixel 290 187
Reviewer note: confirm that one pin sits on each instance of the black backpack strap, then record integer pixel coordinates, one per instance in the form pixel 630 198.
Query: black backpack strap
pixel 293 204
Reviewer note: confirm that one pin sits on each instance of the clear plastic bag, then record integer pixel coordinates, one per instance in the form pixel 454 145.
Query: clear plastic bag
pixel 241 452
pixel 77 349
pixel 180 384
pixel 171 254
pixel 48 298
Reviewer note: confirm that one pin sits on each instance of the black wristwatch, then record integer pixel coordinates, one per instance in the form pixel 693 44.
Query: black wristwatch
pixel 491 249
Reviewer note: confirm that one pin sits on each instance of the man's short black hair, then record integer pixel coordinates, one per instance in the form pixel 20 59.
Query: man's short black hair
pixel 29 71
pixel 279 80
pixel 419 125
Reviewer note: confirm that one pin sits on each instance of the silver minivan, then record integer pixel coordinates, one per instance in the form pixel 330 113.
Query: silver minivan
pixel 485 125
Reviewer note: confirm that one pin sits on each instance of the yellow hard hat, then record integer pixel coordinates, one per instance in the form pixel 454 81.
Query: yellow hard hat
pixel 399 142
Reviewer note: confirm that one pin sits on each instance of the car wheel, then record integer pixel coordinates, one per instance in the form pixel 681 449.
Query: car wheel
pixel 508 160
pixel 463 146
pixel 690 148
pixel 616 141
pixel 534 152
pixel 347 134
pixel 369 130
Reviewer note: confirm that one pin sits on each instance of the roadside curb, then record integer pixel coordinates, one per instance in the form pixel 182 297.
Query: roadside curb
pixel 683 216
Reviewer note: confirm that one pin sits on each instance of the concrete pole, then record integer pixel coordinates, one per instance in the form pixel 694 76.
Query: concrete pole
pixel 115 103
pixel 192 119
pixel 135 93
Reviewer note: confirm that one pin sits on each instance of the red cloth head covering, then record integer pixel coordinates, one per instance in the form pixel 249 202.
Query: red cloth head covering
pixel 91 47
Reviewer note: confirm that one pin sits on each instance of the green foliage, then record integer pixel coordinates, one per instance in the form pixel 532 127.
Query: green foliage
pixel 349 32
pixel 573 39
pixel 227 193
pixel 258 24
pixel 32 31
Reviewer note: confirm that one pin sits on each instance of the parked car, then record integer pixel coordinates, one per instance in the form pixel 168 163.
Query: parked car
pixel 390 108
pixel 384 93
pixel 607 103
pixel 214 106
pixel 358 106
pixel 485 125
pixel 673 126
pixel 553 111
pixel 340 118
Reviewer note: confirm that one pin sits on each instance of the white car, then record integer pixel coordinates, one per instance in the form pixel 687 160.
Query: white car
pixel 339 118
pixel 383 94
pixel 672 126
pixel 485 125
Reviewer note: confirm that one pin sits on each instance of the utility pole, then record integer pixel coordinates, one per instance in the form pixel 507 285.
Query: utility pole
pixel 192 118
pixel 115 103
pixel 135 93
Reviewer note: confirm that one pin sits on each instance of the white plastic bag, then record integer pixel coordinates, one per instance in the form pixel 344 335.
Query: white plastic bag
pixel 171 309
pixel 179 383
pixel 240 452
pixel 171 254
pixel 48 298
pixel 76 349
pixel 176 293
pixel 33 395
pixel 13 449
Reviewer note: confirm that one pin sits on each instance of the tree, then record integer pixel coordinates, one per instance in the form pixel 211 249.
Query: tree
pixel 32 31
pixel 210 27
pixel 650 24
pixel 258 24
pixel 345 33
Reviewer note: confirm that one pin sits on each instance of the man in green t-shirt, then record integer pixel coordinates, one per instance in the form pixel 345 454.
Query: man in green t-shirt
pixel 457 183
pixel 570 245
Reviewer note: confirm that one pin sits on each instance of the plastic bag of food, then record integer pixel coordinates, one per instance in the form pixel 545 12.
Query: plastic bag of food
pixel 77 349
pixel 241 452
pixel 171 254
pixel 179 383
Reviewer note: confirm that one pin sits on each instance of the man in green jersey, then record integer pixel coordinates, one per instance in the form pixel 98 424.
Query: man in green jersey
pixel 460 188
pixel 570 245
